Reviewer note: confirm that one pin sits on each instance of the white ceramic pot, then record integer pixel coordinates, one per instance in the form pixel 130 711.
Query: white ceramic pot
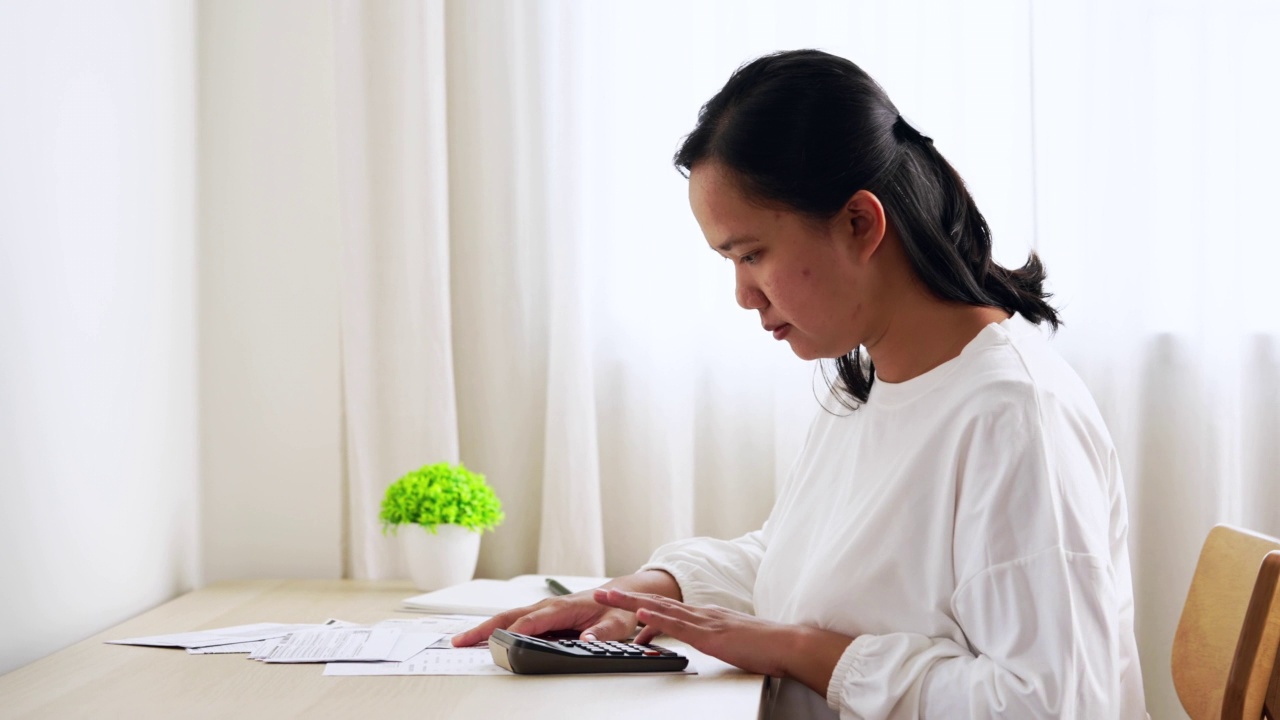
pixel 440 560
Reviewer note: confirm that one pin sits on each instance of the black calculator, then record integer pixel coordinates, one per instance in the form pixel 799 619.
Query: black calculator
pixel 529 655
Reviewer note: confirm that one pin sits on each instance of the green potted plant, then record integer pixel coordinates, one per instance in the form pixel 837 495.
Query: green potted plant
pixel 445 508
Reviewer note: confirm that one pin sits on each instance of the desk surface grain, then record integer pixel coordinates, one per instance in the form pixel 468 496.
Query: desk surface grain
pixel 92 679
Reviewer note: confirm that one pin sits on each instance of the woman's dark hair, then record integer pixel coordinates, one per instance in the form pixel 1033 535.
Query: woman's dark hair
pixel 806 130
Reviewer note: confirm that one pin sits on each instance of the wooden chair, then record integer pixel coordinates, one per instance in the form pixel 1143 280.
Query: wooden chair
pixel 1224 652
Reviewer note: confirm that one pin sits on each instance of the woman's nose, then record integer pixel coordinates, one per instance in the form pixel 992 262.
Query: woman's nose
pixel 748 295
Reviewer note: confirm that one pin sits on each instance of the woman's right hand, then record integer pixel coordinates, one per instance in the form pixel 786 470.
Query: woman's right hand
pixel 578 611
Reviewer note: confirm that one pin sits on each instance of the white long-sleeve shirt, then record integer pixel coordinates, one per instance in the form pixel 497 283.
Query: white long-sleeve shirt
pixel 967 528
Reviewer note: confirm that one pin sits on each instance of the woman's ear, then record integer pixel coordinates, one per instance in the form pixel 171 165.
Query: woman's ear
pixel 863 225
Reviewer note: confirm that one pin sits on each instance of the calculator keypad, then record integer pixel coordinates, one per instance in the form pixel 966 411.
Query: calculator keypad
pixel 614 648
pixel 546 655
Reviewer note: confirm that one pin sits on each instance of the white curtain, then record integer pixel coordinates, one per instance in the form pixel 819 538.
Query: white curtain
pixel 1156 185
pixel 399 403
pixel 525 289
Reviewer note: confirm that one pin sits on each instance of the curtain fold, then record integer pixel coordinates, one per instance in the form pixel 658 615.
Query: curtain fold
pixel 571 538
pixel 400 409
pixel 498 217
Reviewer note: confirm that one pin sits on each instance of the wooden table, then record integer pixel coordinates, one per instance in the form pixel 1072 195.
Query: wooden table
pixel 92 679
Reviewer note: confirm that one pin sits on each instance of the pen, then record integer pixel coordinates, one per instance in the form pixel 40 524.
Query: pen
pixel 557 588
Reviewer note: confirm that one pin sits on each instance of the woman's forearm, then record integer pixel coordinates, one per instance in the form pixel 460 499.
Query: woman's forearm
pixel 813 655
pixel 654 582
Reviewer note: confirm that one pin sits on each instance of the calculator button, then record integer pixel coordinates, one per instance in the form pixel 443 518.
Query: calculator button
pixel 652 653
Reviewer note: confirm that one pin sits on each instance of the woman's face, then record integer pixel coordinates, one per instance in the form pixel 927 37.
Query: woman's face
pixel 808 280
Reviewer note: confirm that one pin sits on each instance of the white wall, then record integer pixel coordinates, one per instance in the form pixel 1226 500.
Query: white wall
pixel 270 406
pixel 98 516
pixel 169 408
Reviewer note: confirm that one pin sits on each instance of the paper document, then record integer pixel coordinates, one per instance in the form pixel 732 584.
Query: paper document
pixel 331 645
pixel 448 625
pixel 489 597
pixel 220 636
pixel 456 661
pixel 244 647
pixel 390 642
pixel 411 643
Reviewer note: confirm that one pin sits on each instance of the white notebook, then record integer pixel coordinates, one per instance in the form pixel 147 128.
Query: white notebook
pixel 489 597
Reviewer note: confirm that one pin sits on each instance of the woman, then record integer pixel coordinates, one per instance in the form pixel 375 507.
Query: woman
pixel 952 546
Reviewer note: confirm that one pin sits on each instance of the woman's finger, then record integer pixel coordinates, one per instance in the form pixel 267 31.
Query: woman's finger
pixel 635 601
pixel 657 623
pixel 485 629
pixel 646 635
pixel 542 620
pixel 611 627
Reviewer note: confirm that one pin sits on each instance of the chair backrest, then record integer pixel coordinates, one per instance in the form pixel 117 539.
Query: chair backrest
pixel 1253 688
pixel 1224 651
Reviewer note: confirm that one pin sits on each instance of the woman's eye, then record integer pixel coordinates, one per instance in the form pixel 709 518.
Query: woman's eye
pixel 749 258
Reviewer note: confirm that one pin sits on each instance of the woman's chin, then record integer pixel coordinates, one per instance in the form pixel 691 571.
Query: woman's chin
pixel 802 350
pixel 806 351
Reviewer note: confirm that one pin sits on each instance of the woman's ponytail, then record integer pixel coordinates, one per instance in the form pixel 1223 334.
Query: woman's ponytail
pixel 1022 291
pixel 981 281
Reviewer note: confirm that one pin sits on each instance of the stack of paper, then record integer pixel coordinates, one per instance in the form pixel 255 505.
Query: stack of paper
pixel 454 661
pixel 239 635
pixel 332 641
pixel 405 646
pixel 345 645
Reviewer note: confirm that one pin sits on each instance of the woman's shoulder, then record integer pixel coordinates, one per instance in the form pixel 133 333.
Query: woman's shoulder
pixel 1020 371
pixel 1009 369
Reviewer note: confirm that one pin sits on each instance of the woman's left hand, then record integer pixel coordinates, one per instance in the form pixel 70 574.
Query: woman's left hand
pixel 745 641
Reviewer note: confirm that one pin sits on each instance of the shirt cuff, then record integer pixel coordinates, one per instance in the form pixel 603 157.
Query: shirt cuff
pixel 850 664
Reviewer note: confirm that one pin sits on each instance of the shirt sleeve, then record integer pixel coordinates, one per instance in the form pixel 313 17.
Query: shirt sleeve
pixel 711 571
pixel 1036 594
pixel 1040 630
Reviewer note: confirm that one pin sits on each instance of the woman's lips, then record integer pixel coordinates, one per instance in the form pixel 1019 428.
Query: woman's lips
pixel 781 331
